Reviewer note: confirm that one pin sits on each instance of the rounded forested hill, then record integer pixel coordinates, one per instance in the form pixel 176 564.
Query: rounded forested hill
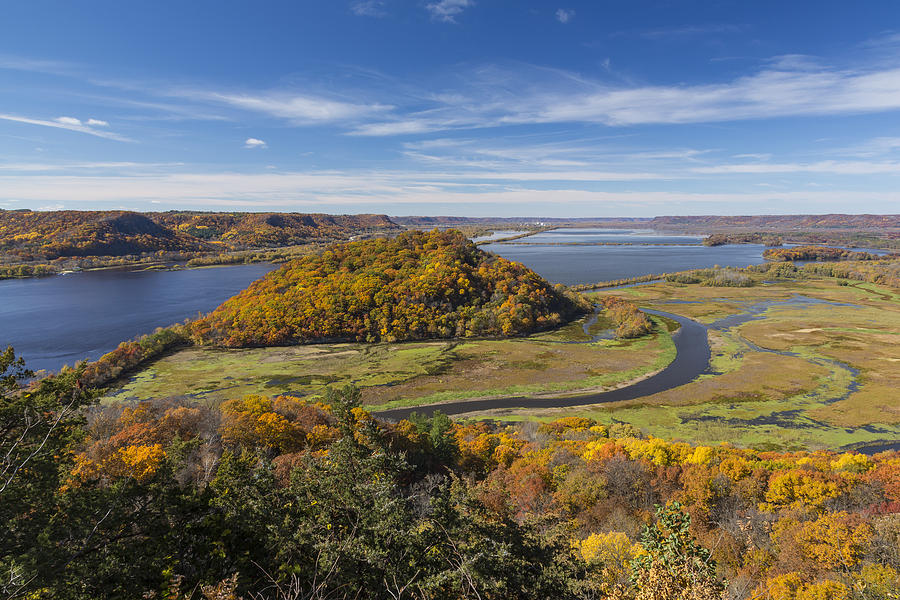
pixel 418 285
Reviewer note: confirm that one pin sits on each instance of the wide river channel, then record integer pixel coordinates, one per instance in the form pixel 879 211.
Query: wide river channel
pixel 52 321
pixel 60 320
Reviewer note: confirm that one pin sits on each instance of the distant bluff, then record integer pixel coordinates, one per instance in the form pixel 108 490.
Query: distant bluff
pixel 67 233
pixel 415 286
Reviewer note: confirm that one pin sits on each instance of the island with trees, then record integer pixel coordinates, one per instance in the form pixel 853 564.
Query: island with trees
pixel 417 285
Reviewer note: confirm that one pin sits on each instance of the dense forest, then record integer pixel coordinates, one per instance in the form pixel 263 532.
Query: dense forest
pixel 38 235
pixel 779 222
pixel 49 235
pixel 883 272
pixel 264 230
pixel 872 231
pixel 518 222
pixel 281 498
pixel 721 239
pixel 699 222
pixel 414 286
pixel 822 253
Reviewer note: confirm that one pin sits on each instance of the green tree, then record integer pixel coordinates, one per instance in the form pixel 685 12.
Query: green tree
pixel 38 425
pixel 675 566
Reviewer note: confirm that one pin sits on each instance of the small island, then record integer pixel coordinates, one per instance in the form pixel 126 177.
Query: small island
pixel 418 285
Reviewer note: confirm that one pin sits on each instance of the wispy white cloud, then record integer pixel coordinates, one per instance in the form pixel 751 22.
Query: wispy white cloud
pixel 373 190
pixel 874 147
pixel 564 16
pixel 776 91
pixel 20 63
pixel 147 108
pixel 754 156
pixel 764 95
pixel 407 126
pixel 447 10
pixel 368 8
pixel 142 167
pixel 254 143
pixel 68 123
pixel 826 166
pixel 691 30
pixel 519 94
pixel 300 109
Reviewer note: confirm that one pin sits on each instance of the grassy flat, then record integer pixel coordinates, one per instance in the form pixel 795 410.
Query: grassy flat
pixel 406 374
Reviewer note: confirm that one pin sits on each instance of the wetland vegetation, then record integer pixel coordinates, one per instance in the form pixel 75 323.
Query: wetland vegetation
pixel 797 360
pixel 795 364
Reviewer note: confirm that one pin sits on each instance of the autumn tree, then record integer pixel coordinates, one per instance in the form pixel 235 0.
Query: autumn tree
pixel 674 566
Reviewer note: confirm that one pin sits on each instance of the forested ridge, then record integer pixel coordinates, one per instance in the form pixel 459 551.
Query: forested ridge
pixel 418 285
pixel 779 222
pixel 48 235
pixel 822 253
pixel 284 498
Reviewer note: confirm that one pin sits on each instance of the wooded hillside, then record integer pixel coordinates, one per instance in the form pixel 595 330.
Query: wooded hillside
pixel 30 235
pixel 260 230
pixel 778 222
pixel 415 286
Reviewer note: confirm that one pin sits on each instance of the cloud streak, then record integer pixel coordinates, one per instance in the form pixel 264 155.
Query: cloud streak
pixel 373 190
pixel 368 8
pixel 826 166
pixel 780 90
pixel 693 30
pixel 299 109
pixel 564 16
pixel 447 10
pixel 490 95
pixel 67 123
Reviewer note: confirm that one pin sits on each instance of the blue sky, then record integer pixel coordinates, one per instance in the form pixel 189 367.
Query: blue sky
pixel 452 107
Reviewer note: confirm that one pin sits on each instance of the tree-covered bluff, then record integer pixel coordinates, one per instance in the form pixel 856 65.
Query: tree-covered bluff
pixel 27 236
pixel 418 285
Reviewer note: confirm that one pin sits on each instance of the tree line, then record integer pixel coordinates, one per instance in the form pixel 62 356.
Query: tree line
pixel 821 253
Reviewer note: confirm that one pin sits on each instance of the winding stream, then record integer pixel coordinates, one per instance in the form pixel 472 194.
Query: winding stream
pixel 755 311
pixel 691 360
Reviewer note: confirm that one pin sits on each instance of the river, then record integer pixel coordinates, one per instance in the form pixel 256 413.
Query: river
pixel 692 359
pixel 575 256
pixel 52 321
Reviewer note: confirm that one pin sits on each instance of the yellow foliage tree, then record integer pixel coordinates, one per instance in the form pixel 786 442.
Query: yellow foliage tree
pixel 834 540
pixel 791 586
pixel 141 461
pixel 800 490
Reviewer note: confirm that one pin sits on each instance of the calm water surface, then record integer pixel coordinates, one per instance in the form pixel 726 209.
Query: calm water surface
pixel 572 265
pixel 608 236
pixel 60 320
pixel 497 235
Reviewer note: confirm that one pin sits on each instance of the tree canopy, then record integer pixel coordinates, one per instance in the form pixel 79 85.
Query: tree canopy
pixel 418 285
